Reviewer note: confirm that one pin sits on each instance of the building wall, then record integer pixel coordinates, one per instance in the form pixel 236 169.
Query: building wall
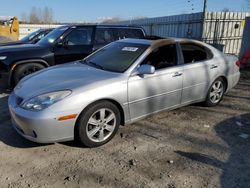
pixel 224 30
pixel 184 25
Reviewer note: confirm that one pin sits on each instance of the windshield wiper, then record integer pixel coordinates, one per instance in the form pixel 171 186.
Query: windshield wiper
pixel 92 64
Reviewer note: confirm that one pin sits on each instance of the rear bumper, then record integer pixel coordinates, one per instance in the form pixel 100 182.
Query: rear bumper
pixel 233 80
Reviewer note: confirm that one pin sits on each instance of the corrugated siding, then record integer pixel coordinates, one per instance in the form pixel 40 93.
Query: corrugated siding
pixel 225 30
pixel 184 25
pixel 219 28
pixel 26 29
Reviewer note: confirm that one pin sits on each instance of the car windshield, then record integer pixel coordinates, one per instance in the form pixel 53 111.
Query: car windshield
pixel 116 57
pixel 30 36
pixel 53 35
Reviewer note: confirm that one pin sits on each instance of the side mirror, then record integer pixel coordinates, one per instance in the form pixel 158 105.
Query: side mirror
pixel 145 69
pixel 62 43
pixel 35 41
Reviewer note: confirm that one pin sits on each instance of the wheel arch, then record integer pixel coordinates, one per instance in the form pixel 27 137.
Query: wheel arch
pixel 117 104
pixel 225 81
pixel 18 63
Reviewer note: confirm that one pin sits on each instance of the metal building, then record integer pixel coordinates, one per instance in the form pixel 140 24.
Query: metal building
pixel 224 30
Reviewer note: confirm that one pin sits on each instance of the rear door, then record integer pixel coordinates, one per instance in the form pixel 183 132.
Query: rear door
pixel 122 33
pixel 199 70
pixel 76 45
pixel 103 36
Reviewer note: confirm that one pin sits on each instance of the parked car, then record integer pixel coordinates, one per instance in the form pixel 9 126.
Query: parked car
pixel 62 45
pixel 32 38
pixel 119 84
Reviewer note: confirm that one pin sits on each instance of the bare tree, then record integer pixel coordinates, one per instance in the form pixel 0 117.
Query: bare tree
pixel 47 15
pixel 24 17
pixel 38 15
pixel 34 17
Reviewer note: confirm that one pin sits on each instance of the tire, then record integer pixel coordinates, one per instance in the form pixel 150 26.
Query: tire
pixel 98 124
pixel 24 70
pixel 215 93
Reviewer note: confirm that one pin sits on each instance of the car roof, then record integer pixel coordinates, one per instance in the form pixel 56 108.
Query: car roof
pixel 159 42
pixel 101 25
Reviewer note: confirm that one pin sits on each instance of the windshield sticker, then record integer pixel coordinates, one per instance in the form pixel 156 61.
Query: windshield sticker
pixel 130 49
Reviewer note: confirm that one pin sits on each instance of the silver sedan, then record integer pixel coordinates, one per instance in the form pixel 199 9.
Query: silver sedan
pixel 119 84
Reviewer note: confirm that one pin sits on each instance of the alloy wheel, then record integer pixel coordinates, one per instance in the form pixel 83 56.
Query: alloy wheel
pixel 101 125
pixel 216 91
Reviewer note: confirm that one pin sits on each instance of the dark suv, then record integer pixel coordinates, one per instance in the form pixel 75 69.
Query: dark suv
pixel 63 44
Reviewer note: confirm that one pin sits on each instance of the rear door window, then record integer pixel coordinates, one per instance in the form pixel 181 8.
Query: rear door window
pixel 121 33
pixel 194 53
pixel 103 36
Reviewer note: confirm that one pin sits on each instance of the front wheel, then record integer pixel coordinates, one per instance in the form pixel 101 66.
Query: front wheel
pixel 215 92
pixel 98 124
pixel 24 70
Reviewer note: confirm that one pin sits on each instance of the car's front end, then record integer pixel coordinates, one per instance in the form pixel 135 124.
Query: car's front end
pixel 45 106
pixel 43 125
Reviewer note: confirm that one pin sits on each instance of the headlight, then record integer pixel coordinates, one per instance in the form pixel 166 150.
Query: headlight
pixel 3 57
pixel 44 101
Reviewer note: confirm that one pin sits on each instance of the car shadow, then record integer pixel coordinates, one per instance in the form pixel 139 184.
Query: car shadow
pixel 235 132
pixel 7 133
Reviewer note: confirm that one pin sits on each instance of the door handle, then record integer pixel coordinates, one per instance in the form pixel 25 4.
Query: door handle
pixel 214 66
pixel 177 74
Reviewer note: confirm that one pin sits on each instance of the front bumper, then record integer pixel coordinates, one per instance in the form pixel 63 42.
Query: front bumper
pixel 38 126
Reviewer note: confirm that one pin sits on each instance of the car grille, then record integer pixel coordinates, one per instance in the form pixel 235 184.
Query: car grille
pixel 19 100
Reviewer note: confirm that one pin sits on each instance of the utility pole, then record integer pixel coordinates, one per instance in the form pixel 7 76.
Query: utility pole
pixel 203 19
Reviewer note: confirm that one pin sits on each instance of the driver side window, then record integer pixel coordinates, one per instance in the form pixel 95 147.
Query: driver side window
pixel 162 57
pixel 79 36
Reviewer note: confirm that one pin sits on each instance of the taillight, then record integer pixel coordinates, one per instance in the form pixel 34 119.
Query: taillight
pixel 238 63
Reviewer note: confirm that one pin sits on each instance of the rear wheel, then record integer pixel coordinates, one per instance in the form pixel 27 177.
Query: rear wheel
pixel 215 92
pixel 24 70
pixel 98 124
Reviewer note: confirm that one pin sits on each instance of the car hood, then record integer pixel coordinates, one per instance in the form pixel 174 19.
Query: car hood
pixel 63 77
pixel 12 43
pixel 19 47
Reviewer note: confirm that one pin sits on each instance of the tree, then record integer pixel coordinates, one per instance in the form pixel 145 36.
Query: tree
pixel 38 15
pixel 47 15
pixel 34 17
pixel 24 17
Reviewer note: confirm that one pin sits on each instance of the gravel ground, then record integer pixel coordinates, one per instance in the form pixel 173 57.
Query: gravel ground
pixel 192 146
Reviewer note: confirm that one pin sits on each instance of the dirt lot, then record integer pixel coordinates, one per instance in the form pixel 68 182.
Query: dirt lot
pixel 189 147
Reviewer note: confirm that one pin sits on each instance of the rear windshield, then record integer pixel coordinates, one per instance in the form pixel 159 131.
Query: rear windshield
pixel 116 57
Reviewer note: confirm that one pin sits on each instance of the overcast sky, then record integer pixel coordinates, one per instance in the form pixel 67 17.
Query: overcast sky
pixel 96 10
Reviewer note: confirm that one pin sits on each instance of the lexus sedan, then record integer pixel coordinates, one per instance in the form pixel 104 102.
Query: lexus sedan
pixel 121 83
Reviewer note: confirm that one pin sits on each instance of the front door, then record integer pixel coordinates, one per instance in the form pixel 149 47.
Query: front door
pixel 76 45
pixel 152 93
